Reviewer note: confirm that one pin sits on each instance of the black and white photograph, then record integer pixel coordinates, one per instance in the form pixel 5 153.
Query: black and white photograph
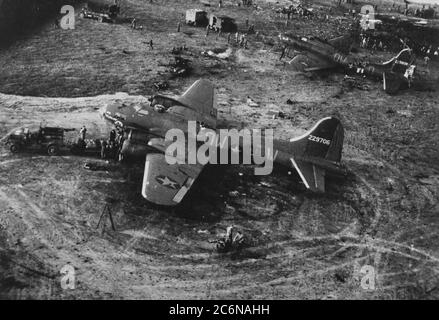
pixel 219 150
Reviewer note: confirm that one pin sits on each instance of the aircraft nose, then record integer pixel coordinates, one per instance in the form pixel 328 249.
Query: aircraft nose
pixel 108 111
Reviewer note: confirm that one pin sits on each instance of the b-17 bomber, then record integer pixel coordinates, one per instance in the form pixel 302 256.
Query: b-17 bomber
pixel 228 153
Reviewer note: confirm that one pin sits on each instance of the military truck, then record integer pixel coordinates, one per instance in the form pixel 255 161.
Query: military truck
pixel 223 23
pixel 196 17
pixel 46 139
pixel 109 15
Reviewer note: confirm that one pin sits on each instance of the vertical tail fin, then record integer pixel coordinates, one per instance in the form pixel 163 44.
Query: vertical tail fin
pixel 324 141
pixel 316 151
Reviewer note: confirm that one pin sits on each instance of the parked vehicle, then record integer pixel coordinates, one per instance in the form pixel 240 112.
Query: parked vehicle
pixel 47 139
pixel 223 23
pixel 196 17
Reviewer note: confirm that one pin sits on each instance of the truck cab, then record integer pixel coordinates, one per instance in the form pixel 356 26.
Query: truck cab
pixel 48 139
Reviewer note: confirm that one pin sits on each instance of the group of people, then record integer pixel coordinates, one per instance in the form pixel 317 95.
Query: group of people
pixel 241 39
pixel 113 146
pixel 110 148
pixel 369 42
pixel 425 50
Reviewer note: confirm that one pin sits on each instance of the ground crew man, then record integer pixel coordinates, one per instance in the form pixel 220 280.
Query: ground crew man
pixel 284 50
pixel 426 60
pixel 82 132
pixel 151 44
pixel 112 136
pixel 103 149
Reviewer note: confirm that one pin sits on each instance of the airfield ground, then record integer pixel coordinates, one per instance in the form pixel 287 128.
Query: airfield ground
pixel 384 214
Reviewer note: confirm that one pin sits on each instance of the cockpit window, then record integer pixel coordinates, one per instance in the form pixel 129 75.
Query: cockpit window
pixel 164 103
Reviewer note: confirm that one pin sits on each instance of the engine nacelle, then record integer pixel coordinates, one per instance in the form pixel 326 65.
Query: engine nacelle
pixel 133 148
pixel 138 137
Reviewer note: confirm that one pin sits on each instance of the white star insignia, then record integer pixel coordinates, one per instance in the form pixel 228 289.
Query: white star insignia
pixel 168 182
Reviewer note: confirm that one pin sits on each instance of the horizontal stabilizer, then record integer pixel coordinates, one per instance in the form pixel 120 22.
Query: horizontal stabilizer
pixel 313 177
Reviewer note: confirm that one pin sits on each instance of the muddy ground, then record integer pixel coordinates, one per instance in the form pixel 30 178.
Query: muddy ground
pixel 299 245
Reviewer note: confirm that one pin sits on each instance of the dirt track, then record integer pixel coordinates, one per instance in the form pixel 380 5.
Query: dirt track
pixel 385 214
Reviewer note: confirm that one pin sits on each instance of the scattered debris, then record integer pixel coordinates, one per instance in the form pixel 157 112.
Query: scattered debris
pixel 234 194
pixel 251 102
pixel 231 241
pixel 180 67
pixel 221 55
pixel 95 166
pixel 405 113
pixel 355 82
pixel 161 85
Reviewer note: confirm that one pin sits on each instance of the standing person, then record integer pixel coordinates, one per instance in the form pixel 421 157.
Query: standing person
pixel 241 43
pixel 112 139
pixel 151 45
pixel 178 26
pixel 284 50
pixel 82 133
pixel 426 60
pixel 103 149
pixel 133 23
pixel 236 37
pixel 207 31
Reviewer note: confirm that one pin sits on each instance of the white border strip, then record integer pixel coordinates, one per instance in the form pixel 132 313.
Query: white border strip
pixel 311 130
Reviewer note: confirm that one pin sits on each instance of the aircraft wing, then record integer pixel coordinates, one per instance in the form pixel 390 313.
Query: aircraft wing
pixel 312 175
pixel 166 184
pixel 310 62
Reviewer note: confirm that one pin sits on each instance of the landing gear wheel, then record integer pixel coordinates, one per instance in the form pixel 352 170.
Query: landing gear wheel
pixel 14 148
pixel 52 150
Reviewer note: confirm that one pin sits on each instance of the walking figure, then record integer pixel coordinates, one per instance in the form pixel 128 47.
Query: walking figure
pixel 207 31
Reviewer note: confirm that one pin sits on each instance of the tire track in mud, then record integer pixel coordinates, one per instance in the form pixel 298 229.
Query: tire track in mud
pixel 252 274
pixel 377 242
pixel 46 230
